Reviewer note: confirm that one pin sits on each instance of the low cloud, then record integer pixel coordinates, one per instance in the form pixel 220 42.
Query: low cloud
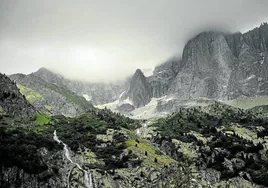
pixel 103 41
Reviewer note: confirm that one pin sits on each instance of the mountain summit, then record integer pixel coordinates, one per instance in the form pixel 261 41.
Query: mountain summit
pixel 139 91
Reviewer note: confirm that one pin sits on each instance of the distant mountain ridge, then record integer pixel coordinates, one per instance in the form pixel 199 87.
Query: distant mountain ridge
pixel 97 93
pixel 49 97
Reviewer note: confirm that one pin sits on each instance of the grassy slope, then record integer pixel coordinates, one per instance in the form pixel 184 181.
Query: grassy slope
pixel 41 119
pixel 152 154
pixel 69 95
pixel 248 103
pixel 30 94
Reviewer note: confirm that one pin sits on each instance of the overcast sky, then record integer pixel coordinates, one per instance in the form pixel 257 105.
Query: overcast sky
pixel 106 40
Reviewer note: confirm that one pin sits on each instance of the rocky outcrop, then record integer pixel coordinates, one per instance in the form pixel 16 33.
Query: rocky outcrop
pixel 17 177
pixel 126 107
pixel 139 91
pixel 12 102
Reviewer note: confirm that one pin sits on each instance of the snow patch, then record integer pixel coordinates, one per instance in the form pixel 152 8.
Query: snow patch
pixel 168 99
pixel 149 73
pixel 250 77
pixel 121 94
pixel 149 111
pixel 113 105
pixel 88 98
pixel 128 101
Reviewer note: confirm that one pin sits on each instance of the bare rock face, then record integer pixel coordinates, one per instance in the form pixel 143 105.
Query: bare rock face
pixel 162 77
pixel 139 91
pixel 249 77
pixel 12 102
pixel 208 63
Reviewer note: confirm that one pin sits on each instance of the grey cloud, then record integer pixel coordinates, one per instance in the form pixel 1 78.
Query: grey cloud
pixel 101 40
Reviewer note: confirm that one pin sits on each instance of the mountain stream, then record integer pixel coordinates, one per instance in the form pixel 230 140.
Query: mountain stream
pixel 87 175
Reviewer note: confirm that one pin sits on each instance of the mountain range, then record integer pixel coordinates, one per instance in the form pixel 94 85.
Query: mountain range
pixel 213 66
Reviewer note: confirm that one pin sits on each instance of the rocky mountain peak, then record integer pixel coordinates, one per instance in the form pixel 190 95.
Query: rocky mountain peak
pixel 139 91
pixel 43 71
pixel 138 72
pixel 138 76
pixel 49 76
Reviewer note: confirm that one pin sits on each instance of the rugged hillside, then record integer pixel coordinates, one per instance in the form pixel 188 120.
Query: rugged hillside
pixel 219 141
pixel 217 66
pixel 101 146
pixel 12 102
pixel 96 93
pixel 215 145
pixel 50 98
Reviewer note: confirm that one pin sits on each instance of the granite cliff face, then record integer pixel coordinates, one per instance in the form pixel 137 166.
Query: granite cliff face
pixel 162 77
pixel 207 66
pixel 249 77
pixel 12 102
pixel 214 65
pixel 224 66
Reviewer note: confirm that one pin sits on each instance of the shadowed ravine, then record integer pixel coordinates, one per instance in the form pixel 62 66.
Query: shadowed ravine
pixel 87 175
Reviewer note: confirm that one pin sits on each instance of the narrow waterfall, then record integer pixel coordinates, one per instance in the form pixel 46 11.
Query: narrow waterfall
pixel 87 175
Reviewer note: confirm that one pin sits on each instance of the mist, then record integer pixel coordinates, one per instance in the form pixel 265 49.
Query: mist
pixel 105 41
